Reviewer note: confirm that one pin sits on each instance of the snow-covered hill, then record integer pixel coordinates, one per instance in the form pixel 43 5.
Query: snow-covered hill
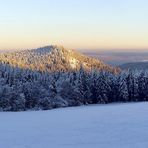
pixel 100 126
pixel 52 59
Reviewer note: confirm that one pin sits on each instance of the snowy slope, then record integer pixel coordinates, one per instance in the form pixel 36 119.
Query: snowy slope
pixel 100 126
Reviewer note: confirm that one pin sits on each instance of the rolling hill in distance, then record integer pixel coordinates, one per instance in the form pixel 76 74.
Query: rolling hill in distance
pixel 135 66
pixel 53 59
pixel 116 58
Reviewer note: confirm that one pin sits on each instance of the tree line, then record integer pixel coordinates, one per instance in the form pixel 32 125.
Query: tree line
pixel 24 89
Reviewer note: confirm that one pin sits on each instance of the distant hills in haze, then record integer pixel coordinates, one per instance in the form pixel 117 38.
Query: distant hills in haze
pixel 116 58
pixel 135 66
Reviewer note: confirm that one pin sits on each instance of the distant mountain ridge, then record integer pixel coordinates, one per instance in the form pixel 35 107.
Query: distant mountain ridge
pixel 143 65
pixel 53 59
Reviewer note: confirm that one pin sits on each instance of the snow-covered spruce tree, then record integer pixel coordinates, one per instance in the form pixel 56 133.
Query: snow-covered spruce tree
pixel 142 89
pixel 83 86
pixel 53 89
pixel 103 88
pixel 94 86
pixel 131 83
pixel 118 89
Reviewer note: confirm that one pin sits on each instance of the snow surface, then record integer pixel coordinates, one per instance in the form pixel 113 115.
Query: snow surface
pixel 98 126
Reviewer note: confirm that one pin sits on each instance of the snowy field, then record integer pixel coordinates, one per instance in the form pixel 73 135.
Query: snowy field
pixel 100 126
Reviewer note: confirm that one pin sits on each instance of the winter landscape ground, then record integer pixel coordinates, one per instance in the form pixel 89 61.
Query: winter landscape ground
pixel 96 126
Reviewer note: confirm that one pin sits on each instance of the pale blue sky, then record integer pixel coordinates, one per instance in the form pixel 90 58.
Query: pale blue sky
pixel 91 24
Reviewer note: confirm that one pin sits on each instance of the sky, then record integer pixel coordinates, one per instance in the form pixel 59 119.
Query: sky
pixel 80 24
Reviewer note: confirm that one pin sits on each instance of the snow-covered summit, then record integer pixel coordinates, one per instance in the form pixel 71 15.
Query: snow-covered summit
pixel 47 49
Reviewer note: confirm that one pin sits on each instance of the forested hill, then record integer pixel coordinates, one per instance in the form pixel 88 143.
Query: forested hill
pixel 53 59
